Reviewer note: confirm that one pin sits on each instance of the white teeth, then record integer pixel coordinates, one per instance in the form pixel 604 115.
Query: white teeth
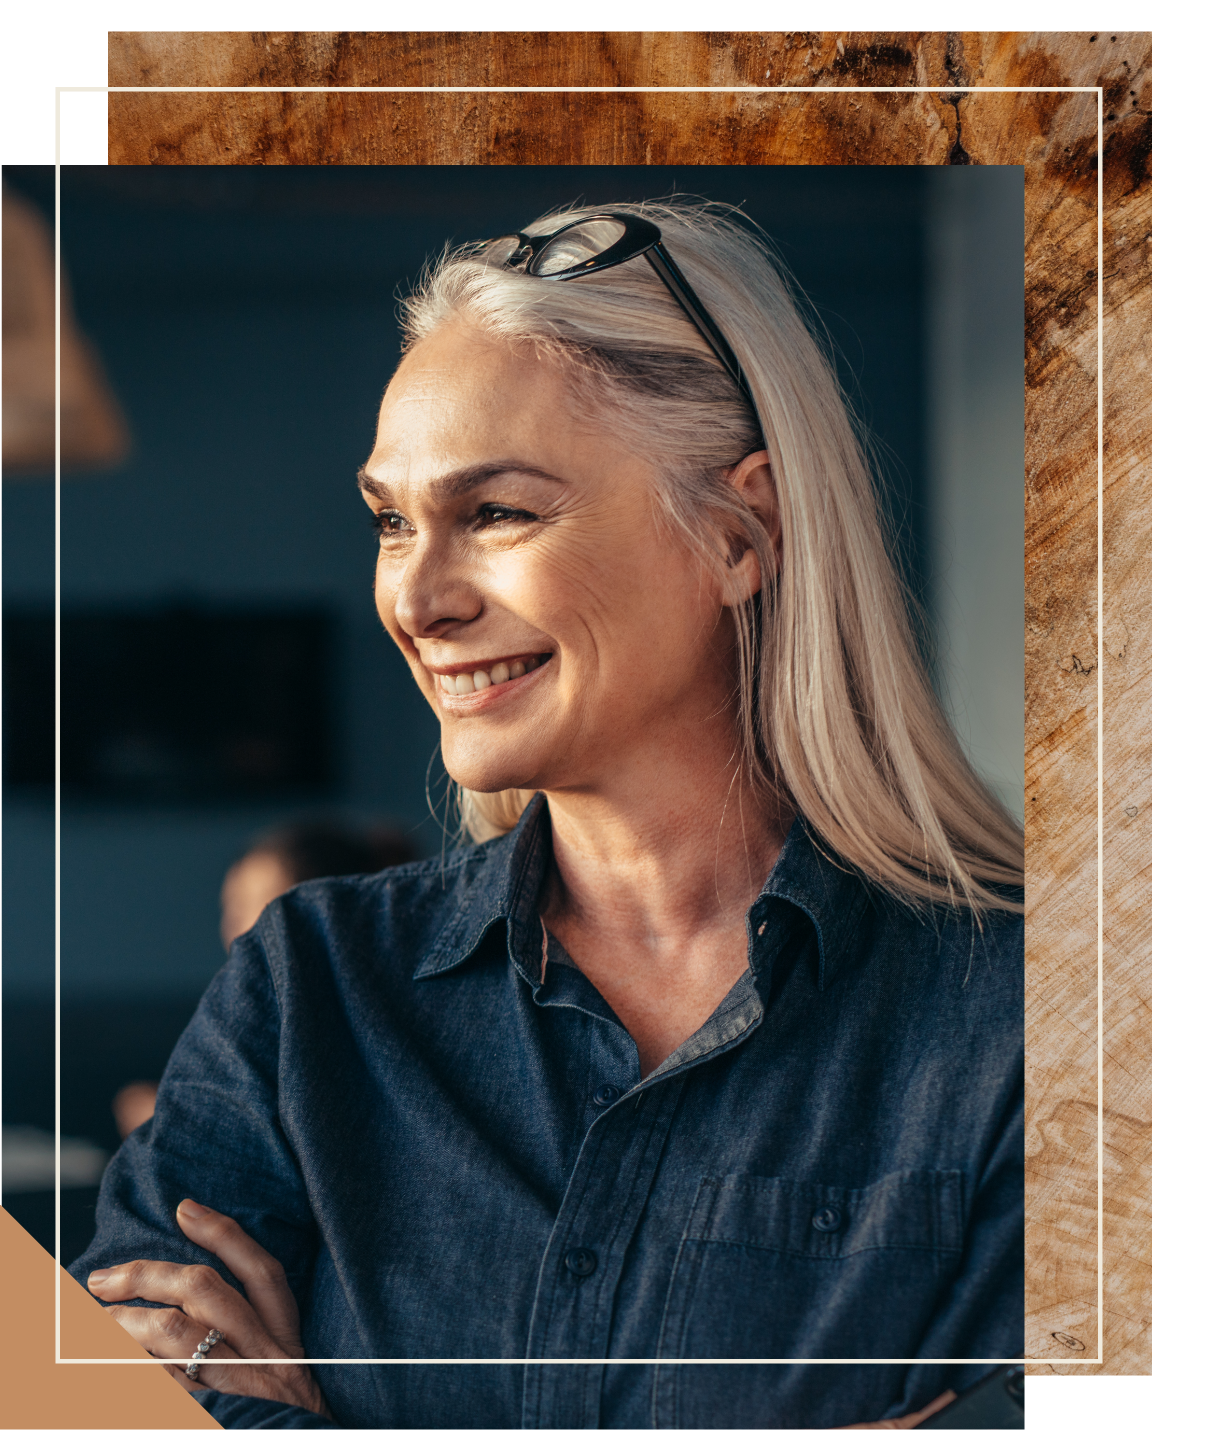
pixel 465 683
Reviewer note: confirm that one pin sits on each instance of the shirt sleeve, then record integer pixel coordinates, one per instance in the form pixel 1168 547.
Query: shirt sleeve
pixel 248 1412
pixel 216 1137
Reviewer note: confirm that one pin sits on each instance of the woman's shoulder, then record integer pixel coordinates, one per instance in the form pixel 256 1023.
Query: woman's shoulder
pixel 943 924
pixel 402 912
pixel 870 930
pixel 422 887
pixel 882 933
pixel 955 955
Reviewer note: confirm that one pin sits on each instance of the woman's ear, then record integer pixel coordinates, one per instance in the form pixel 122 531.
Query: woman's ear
pixel 753 481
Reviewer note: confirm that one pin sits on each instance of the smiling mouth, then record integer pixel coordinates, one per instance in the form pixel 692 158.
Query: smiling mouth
pixel 500 673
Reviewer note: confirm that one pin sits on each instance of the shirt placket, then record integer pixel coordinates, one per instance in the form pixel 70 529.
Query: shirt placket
pixel 584 1257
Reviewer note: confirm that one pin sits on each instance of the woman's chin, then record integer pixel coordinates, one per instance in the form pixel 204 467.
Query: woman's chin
pixel 491 776
pixel 493 786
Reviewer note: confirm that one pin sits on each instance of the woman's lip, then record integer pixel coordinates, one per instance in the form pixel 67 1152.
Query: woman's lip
pixel 476 698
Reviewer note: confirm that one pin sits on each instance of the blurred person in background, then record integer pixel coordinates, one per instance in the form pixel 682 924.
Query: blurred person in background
pixel 278 860
pixel 305 849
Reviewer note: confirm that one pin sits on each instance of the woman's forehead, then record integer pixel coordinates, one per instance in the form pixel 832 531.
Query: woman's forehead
pixel 459 354
pixel 460 383
pixel 460 400
pixel 431 430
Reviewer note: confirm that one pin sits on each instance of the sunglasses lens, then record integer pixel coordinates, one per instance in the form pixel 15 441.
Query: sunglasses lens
pixel 583 241
pixel 499 251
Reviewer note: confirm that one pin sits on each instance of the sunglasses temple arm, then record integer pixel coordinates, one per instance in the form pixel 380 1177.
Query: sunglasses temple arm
pixel 671 275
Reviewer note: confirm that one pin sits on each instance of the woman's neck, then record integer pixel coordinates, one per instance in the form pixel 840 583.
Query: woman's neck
pixel 648 890
pixel 660 870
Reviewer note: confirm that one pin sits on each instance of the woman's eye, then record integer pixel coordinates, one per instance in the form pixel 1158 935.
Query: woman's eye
pixel 389 523
pixel 493 514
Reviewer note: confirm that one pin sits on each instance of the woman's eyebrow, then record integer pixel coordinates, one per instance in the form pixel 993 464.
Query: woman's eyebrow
pixel 371 485
pixel 464 480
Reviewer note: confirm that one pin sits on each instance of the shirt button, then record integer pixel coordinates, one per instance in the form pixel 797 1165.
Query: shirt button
pixel 827 1219
pixel 607 1094
pixel 581 1261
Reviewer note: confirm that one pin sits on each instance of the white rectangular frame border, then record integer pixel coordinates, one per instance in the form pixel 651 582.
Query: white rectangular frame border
pixel 60 90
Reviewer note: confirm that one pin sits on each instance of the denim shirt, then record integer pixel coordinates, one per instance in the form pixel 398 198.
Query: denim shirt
pixel 444 1137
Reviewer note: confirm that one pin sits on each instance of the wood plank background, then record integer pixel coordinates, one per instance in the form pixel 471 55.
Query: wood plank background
pixel 1054 135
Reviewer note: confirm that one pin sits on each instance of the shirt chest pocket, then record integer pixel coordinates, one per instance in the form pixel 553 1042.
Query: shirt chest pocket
pixel 769 1267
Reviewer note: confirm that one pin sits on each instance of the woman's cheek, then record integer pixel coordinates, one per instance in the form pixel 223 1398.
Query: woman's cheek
pixel 385 595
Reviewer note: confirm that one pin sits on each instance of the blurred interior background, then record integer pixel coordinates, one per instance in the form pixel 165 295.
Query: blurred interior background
pixel 222 666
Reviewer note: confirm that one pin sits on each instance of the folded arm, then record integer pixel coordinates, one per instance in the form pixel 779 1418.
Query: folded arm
pixel 203 1221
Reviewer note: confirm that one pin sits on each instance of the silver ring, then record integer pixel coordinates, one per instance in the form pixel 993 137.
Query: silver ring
pixel 193 1368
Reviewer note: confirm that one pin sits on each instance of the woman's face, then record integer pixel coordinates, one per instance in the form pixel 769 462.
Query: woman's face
pixel 562 638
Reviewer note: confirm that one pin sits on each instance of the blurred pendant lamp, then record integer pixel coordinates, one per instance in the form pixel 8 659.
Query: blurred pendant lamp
pixel 94 434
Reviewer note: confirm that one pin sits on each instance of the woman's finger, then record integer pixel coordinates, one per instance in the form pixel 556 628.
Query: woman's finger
pixel 201 1294
pixel 263 1277
pixel 906 1422
pixel 171 1335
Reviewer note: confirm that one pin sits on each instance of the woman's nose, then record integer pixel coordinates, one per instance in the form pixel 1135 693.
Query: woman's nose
pixel 433 592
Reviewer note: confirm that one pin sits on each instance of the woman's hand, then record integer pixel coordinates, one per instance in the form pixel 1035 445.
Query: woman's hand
pixel 265 1323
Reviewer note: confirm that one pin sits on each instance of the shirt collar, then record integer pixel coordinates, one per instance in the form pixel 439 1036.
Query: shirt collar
pixel 496 882
pixel 500 882
pixel 835 899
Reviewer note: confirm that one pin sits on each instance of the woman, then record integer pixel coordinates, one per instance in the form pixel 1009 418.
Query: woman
pixel 709 1046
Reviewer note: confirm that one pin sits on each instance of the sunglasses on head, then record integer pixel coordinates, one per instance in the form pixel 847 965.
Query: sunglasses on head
pixel 608 240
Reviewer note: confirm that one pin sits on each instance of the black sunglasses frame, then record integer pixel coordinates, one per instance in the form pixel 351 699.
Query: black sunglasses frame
pixel 639 237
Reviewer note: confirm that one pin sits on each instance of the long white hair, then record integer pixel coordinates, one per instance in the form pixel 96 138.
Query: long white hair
pixel 838 719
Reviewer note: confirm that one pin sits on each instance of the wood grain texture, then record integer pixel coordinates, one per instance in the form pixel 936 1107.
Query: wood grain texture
pixel 435 58
pixel 1054 135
